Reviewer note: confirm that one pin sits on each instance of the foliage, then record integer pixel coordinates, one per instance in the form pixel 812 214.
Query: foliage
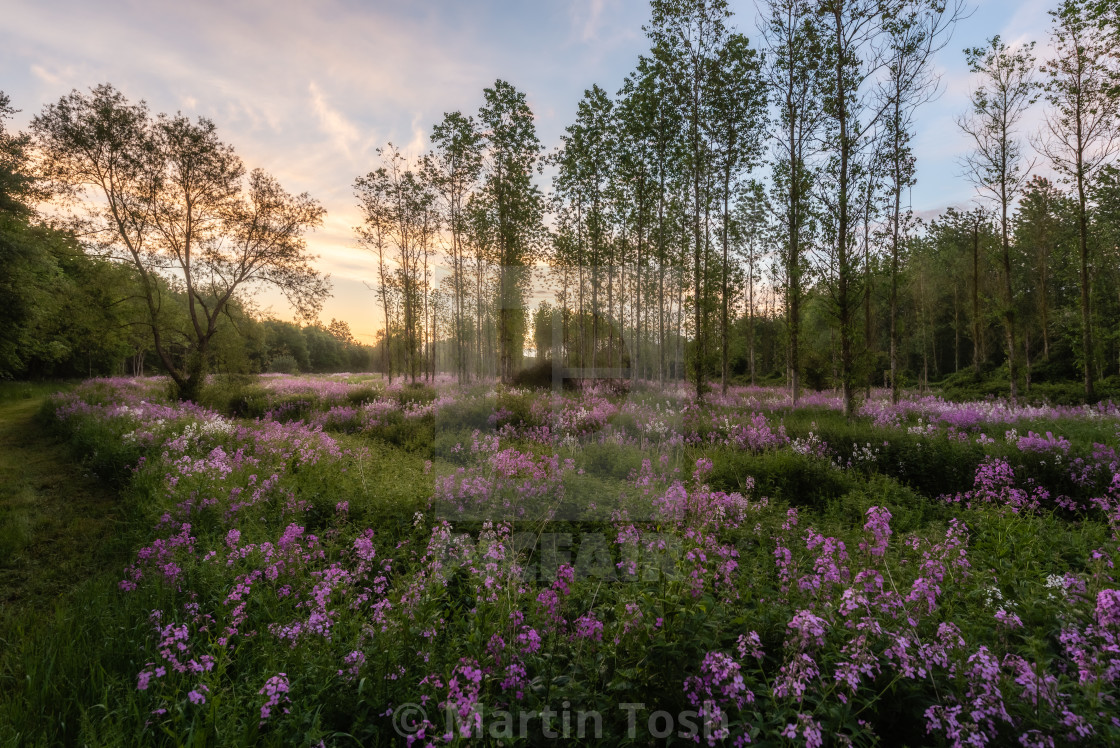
pixel 177 199
pixel 320 569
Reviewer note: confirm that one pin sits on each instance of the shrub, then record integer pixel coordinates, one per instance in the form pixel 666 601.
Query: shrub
pixel 283 364
pixel 800 480
pixel 416 393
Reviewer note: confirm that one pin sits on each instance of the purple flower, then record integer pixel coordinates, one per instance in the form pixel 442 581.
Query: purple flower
pixel 1108 608
pixel 879 525
pixel 276 690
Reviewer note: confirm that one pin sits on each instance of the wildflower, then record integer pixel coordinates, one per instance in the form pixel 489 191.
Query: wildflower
pixel 589 627
pixel 276 689
pixel 878 524
pixel 1108 608
pixel 143 679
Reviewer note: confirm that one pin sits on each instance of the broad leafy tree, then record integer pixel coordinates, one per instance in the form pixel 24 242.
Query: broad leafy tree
pixel 174 201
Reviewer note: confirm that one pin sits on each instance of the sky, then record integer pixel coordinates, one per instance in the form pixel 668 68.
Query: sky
pixel 309 89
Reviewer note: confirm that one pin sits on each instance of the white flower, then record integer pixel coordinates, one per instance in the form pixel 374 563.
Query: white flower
pixel 992 596
pixel 1056 582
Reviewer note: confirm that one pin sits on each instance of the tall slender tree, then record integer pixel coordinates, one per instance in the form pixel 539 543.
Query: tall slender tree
pixel 794 53
pixel 456 162
pixel 1004 91
pixel 737 124
pixel 687 36
pixel 515 206
pixel 855 55
pixel 914 36
pixel 1082 130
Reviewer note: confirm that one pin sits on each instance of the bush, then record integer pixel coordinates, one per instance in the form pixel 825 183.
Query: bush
pixel 284 364
pixel 797 479
pixel 362 395
pixel 538 376
pixel 468 414
pixel 606 459
pixel 251 402
pixel 223 393
pixel 413 434
pixel 416 393
pixel 514 408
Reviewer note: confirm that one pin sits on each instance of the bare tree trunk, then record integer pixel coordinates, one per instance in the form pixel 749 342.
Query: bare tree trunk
pixel 1083 252
pixel 956 330
pixel 976 328
pixel 724 326
pixel 1009 298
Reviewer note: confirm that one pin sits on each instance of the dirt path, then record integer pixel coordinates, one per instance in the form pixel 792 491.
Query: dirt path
pixel 54 517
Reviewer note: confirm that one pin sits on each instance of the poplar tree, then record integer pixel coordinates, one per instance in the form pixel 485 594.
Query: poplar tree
pixel 793 53
pixel 1005 90
pixel 1082 130
pixel 738 123
pixel 515 208
pixel 688 36
pixel 456 162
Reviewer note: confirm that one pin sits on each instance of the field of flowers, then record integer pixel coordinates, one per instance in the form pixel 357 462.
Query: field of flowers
pixel 335 561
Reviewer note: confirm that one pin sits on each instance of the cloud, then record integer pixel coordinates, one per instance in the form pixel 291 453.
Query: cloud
pixel 46 76
pixel 343 133
pixel 587 18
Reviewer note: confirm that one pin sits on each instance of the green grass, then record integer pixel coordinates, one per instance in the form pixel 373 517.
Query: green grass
pixel 62 545
pixel 55 518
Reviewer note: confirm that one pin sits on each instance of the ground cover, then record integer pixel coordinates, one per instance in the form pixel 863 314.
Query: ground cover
pixel 342 561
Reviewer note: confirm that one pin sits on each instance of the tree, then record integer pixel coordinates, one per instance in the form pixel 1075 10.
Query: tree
pixel 585 164
pixel 1082 131
pixel 399 207
pixel 514 207
pixel 793 50
pixel 18 186
pixel 751 214
pixel 687 36
pixel 1106 197
pixel 457 161
pixel 25 267
pixel 1038 231
pixel 175 202
pixel 855 53
pixel 960 244
pixel 1004 91
pixel 635 118
pixel 650 125
pixel 915 35
pixel 739 120
pixel 374 200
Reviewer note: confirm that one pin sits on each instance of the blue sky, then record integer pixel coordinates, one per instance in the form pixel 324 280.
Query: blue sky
pixel 308 90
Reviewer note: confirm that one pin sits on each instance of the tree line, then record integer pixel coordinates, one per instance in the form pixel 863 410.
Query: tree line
pixel 740 211
pixel 736 211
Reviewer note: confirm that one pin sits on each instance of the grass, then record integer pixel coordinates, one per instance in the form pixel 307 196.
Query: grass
pixel 60 535
pixel 54 516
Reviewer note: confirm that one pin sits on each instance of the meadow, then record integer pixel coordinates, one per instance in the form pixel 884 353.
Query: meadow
pixel 340 561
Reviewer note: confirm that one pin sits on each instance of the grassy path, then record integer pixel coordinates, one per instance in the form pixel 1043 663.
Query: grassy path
pixel 61 548
pixel 55 518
